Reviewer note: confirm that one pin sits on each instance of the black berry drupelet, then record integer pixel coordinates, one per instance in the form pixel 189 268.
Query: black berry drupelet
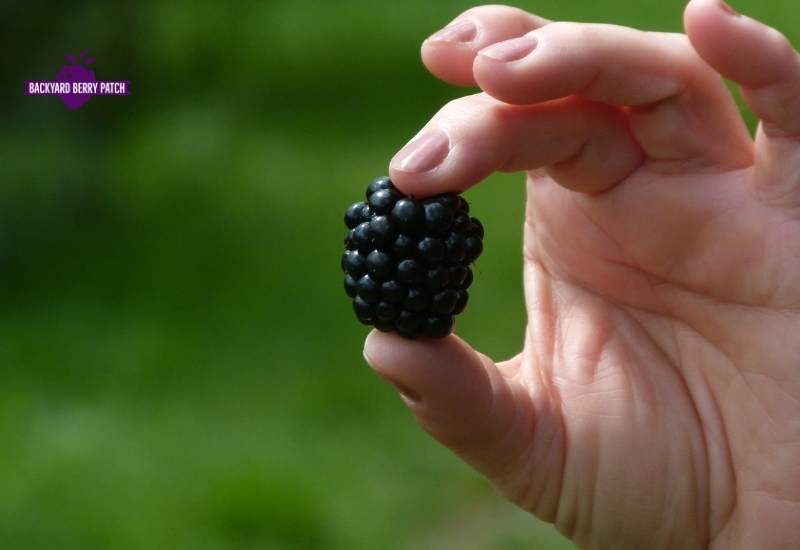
pixel 407 261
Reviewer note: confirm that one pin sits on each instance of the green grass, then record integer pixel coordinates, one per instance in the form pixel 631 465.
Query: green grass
pixel 166 383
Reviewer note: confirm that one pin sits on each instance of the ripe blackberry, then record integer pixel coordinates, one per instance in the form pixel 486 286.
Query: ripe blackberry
pixel 407 261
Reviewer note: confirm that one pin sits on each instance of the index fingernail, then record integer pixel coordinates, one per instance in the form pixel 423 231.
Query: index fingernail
pixel 424 152
pixel 726 7
pixel 407 394
pixel 510 50
pixel 458 31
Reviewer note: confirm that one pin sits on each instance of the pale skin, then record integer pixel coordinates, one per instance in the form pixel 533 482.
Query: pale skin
pixel 656 401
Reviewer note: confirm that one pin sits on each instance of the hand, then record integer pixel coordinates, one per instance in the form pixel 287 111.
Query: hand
pixel 656 402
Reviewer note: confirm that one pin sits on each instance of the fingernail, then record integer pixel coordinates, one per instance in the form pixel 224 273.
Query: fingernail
pixel 511 50
pixel 424 152
pixel 458 31
pixel 727 8
pixel 406 394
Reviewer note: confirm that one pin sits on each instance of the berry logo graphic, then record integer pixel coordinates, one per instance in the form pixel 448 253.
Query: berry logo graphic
pixel 76 72
pixel 76 83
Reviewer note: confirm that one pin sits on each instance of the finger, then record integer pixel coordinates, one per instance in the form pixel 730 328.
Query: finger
pixel 448 53
pixel 460 397
pixel 762 61
pixel 753 55
pixel 679 108
pixel 585 146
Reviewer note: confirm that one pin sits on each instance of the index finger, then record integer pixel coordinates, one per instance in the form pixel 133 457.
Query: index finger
pixel 449 52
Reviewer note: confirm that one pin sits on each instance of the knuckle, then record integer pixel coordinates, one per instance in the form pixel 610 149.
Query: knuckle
pixel 779 41
pixel 494 10
pixel 467 105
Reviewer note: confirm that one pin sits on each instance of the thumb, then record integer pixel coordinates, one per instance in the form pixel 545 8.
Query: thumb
pixel 462 399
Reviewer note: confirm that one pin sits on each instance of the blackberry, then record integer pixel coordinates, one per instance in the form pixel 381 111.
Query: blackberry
pixel 379 264
pixel 438 217
pixel 382 182
pixel 383 201
pixel 437 278
pixel 391 291
pixel 381 230
pixel 417 300
pixel 406 261
pixel 406 213
pixel 359 238
pixel 350 285
pixel 353 263
pixel 368 289
pixel 404 247
pixel 461 223
pixel 410 271
pixel 431 250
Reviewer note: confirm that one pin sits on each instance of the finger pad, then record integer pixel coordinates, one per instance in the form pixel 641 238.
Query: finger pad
pixel 449 62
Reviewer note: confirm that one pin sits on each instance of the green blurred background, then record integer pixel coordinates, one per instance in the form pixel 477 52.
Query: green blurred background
pixel 180 366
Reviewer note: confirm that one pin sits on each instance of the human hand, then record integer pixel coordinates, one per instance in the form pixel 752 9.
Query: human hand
pixel 656 402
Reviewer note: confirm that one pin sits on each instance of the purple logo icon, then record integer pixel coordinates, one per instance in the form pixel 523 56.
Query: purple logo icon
pixel 75 83
pixel 76 72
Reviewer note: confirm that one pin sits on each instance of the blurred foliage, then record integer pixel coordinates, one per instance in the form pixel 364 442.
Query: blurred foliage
pixel 180 366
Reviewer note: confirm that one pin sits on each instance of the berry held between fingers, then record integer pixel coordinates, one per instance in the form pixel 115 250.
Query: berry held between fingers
pixel 407 261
